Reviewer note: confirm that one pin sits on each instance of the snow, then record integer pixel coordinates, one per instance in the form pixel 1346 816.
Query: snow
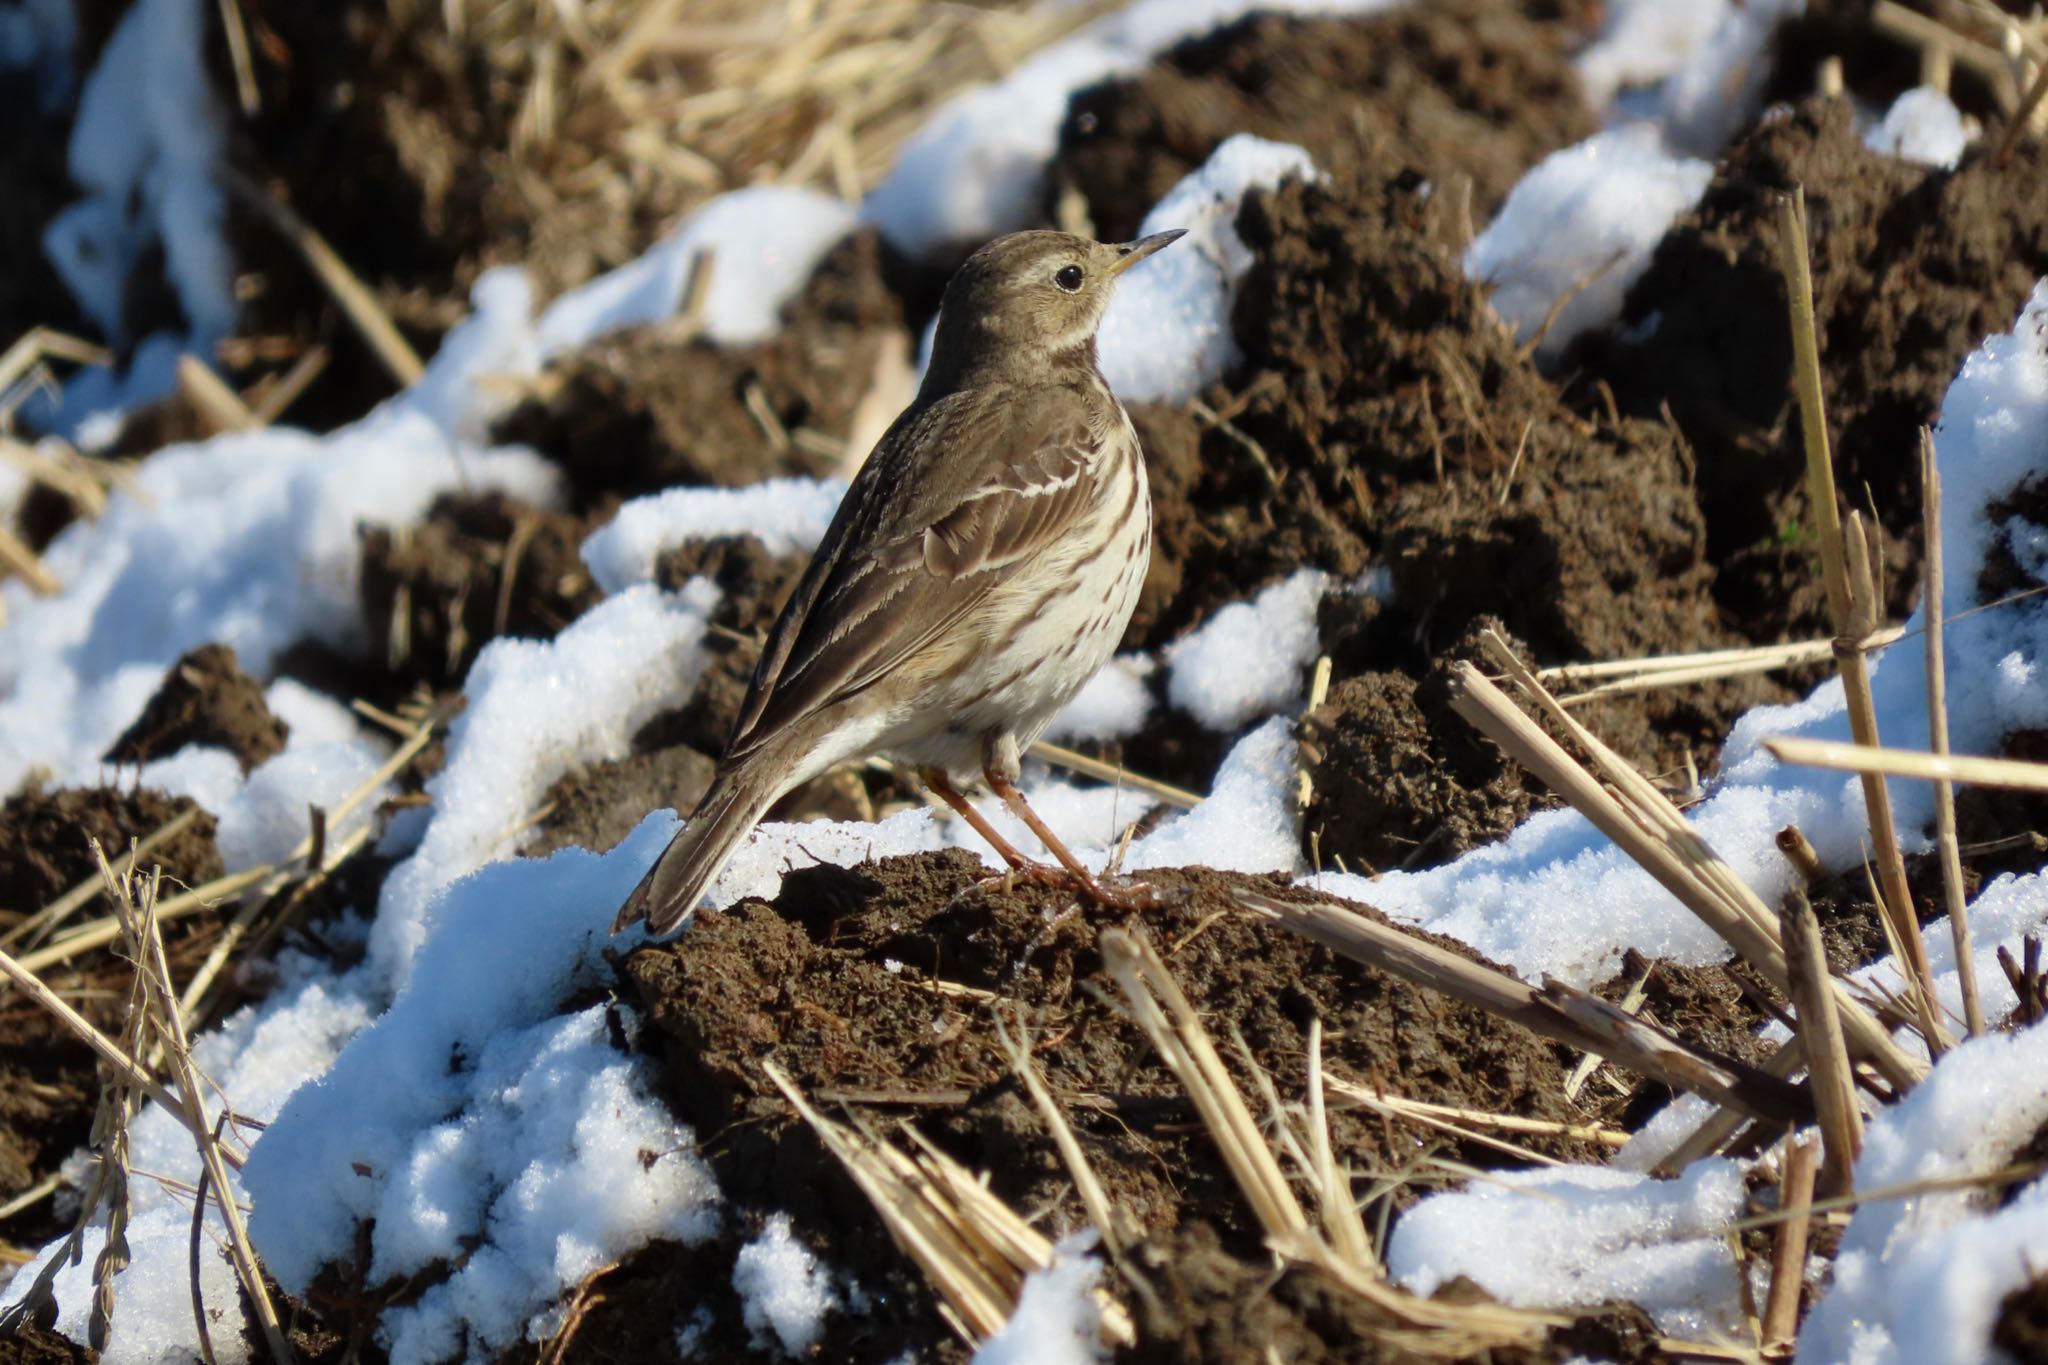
pixel 1643 43
pixel 443 1092
pixel 1583 1236
pixel 177 562
pixel 1718 87
pixel 264 821
pixel 1923 126
pixel 1556 897
pixel 1167 333
pixel 1919 1278
pixel 1586 218
pixel 783 1289
pixel 1247 822
pixel 1250 658
pixel 1057 1320
pixel 1111 705
pixel 535 708
pixel 146 137
pixel 257 1057
pixel 977 168
pixel 761 242
pixel 474 1116
pixel 788 515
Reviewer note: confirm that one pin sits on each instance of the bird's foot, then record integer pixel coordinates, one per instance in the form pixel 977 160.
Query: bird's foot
pixel 1131 897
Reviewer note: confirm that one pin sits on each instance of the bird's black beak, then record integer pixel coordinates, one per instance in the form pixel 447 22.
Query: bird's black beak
pixel 1130 253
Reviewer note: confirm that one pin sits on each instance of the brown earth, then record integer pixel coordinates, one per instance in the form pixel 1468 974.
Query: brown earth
pixel 1912 268
pixel 1384 417
pixel 49 1080
pixel 836 982
pixel 1381 417
pixel 1474 90
pixel 2021 1329
pixel 480 565
pixel 206 698
pixel 653 407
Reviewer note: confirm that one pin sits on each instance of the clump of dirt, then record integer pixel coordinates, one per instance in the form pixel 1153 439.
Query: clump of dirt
pixel 45 839
pixel 837 981
pixel 1473 91
pixel 48 1078
pixel 1384 417
pixel 1912 268
pixel 2021 1328
pixel 601 803
pixel 1398 780
pixel 479 566
pixel 206 698
pixel 653 407
pixel 399 136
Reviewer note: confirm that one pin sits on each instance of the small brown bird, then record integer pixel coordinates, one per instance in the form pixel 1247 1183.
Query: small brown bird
pixel 983 565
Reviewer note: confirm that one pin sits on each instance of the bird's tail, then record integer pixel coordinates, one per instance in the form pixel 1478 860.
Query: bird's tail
pixel 672 887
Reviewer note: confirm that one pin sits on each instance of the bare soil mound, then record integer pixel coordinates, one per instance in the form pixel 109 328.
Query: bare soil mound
pixel 651 408
pixel 49 1079
pixel 874 985
pixel 1912 268
pixel 1473 90
pixel 480 565
pixel 206 698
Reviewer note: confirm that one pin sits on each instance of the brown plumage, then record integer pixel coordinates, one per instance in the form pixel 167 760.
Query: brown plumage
pixel 982 566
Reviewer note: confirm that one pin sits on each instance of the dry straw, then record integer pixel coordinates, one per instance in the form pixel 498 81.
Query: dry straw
pixel 973 1249
pixel 1334 1242
pixel 1848 564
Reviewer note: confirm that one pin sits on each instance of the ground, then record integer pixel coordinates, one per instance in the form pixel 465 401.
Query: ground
pixel 1642 497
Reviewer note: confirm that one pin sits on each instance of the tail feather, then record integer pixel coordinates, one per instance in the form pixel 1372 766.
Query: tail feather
pixel 671 889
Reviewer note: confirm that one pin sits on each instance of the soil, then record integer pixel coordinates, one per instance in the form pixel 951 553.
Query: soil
pixel 654 407
pixel 206 698
pixel 480 565
pixel 599 804
pixel 49 1080
pixel 1397 779
pixel 836 981
pixel 1380 419
pixel 2021 1329
pixel 1474 90
pixel 1404 427
pixel 45 839
pixel 1912 268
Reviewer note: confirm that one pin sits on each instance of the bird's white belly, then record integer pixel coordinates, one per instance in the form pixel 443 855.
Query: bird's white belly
pixel 1043 635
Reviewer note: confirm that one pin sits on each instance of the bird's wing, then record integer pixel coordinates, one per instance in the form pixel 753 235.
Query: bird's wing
pixel 955 495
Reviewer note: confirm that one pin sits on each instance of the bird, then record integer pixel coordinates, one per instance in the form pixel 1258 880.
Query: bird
pixel 981 567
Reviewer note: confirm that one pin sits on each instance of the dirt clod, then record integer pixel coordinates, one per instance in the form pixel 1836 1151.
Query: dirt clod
pixel 206 698
pixel 653 407
pixel 1398 780
pixel 2021 1328
pixel 480 565
pixel 600 804
pixel 1912 268
pixel 45 840
pixel 1470 90
pixel 835 981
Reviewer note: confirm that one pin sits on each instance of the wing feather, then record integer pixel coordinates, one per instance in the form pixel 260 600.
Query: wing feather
pixel 954 496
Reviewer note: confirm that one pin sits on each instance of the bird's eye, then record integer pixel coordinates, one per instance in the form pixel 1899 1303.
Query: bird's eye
pixel 1068 278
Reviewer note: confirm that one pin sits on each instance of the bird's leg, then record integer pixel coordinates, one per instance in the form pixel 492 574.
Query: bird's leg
pixel 1000 765
pixel 942 787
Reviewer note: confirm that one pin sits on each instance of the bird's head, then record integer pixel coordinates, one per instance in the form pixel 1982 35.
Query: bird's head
pixel 1031 295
